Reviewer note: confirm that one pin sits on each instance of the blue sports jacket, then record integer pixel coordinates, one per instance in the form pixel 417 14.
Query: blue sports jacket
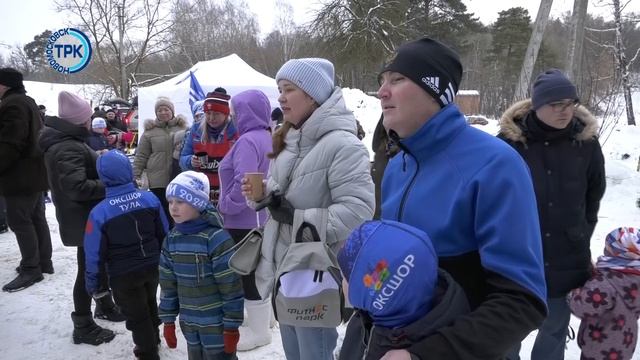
pixel 473 195
pixel 125 230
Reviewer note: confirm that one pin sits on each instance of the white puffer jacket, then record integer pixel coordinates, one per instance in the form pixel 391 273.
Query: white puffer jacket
pixel 324 172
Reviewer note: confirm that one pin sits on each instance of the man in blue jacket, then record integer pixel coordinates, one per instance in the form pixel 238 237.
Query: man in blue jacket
pixel 472 194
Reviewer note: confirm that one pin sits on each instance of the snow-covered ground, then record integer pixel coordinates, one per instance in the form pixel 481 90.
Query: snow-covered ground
pixel 36 323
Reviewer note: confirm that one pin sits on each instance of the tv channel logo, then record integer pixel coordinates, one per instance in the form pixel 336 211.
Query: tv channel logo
pixel 68 50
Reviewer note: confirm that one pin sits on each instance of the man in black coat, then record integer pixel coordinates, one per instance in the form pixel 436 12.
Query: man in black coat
pixel 558 140
pixel 75 190
pixel 23 179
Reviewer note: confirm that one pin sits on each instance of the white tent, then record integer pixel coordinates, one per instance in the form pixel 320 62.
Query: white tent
pixel 230 72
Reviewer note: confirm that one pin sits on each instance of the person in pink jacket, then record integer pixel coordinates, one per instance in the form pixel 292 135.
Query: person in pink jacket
pixel 609 303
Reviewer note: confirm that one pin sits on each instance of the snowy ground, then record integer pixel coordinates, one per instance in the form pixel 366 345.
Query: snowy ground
pixel 36 321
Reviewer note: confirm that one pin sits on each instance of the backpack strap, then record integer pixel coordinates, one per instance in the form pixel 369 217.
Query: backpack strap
pixel 318 227
pixel 314 233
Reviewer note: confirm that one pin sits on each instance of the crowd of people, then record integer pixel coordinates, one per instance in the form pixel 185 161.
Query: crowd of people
pixel 453 244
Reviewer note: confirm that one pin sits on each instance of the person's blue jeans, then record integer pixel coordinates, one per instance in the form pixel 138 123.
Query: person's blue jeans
pixel 552 336
pixel 303 343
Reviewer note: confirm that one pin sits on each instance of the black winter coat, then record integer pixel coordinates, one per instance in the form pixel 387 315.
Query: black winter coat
pixel 383 151
pixel 22 169
pixel 450 303
pixel 567 168
pixel 73 178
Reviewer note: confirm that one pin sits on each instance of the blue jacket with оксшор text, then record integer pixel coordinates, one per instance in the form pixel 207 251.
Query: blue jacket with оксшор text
pixel 473 195
pixel 126 229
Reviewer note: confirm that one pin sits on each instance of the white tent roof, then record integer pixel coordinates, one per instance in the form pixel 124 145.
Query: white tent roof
pixel 230 72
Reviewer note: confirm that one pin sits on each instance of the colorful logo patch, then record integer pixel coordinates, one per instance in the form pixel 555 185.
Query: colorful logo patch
pixel 377 276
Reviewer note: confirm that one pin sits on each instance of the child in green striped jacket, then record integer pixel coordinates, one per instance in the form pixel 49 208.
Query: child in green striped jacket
pixel 195 280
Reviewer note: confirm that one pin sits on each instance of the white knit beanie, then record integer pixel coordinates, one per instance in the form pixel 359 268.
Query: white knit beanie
pixel 191 187
pixel 98 123
pixel 313 75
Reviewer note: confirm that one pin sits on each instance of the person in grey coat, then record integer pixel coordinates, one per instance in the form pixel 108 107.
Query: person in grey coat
pixel 319 174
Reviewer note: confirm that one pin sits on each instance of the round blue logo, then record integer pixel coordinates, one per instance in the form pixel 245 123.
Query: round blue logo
pixel 68 50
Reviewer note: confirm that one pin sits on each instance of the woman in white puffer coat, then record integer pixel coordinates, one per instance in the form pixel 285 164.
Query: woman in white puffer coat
pixel 322 171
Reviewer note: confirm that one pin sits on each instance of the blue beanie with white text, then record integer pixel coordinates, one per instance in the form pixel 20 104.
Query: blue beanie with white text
pixel 392 271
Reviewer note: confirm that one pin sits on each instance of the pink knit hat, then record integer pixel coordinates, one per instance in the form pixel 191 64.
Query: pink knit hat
pixel 73 109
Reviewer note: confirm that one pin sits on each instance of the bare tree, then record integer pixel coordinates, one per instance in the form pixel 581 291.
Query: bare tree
pixel 532 50
pixel 574 58
pixel 623 64
pixel 204 30
pixel 286 27
pixel 124 33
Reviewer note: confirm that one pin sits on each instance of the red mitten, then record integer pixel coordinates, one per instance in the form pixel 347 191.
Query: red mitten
pixel 169 332
pixel 231 338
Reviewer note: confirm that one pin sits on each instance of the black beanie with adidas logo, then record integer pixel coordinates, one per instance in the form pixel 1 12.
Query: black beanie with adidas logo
pixel 430 64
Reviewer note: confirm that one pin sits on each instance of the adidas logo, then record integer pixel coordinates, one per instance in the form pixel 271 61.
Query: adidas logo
pixel 433 82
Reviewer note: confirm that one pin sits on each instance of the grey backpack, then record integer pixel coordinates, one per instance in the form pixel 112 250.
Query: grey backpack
pixel 308 284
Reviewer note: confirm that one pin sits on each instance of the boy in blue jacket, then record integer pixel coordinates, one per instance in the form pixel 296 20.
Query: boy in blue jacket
pixel 195 279
pixel 125 231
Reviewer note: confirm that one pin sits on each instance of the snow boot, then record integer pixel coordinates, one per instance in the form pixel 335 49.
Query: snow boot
pixel 86 331
pixel 23 281
pixel 107 310
pixel 257 332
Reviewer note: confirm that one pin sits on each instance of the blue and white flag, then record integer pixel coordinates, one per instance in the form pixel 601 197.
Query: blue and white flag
pixel 195 93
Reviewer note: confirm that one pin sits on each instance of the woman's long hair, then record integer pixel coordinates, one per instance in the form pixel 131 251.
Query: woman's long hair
pixel 278 140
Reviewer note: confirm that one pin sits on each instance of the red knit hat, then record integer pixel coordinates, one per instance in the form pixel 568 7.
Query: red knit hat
pixel 217 101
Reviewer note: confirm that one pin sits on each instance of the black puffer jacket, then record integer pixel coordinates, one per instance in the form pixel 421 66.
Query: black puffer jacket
pixel 73 178
pixel 450 303
pixel 22 168
pixel 567 168
pixel 383 150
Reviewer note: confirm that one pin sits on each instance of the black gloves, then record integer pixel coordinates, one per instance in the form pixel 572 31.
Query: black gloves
pixel 280 208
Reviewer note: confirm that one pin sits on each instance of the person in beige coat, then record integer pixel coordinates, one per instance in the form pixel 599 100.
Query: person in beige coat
pixel 154 153
pixel 320 174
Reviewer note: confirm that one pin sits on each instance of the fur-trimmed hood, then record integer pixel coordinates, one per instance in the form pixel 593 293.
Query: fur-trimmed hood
pixel 178 120
pixel 511 127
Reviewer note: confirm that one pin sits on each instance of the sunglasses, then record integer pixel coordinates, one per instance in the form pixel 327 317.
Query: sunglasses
pixel 560 106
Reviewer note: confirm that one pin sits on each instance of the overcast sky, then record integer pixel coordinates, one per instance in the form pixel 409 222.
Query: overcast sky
pixel 19 26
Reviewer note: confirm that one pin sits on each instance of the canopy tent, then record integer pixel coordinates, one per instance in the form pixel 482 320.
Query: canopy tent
pixel 229 72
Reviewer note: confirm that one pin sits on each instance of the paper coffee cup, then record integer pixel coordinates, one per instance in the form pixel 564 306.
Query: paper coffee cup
pixel 255 179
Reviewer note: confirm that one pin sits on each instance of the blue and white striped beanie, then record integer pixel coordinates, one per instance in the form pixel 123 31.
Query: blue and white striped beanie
pixel 191 187
pixel 198 108
pixel 313 75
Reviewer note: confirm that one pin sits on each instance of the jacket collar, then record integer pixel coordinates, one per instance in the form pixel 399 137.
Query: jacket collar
pixel 436 134
pixel 513 123
pixel 120 189
pixel 331 115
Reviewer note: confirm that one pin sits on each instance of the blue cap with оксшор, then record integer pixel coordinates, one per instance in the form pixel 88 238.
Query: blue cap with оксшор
pixel 392 271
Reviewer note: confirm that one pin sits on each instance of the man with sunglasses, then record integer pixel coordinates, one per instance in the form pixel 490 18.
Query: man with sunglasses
pixel 557 138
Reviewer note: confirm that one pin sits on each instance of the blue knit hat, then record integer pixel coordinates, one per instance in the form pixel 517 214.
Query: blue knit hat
pixel 392 271
pixel 552 85
pixel 191 187
pixel 313 75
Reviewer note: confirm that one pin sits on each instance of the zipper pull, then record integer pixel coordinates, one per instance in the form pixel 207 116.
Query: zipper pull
pixel 197 269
